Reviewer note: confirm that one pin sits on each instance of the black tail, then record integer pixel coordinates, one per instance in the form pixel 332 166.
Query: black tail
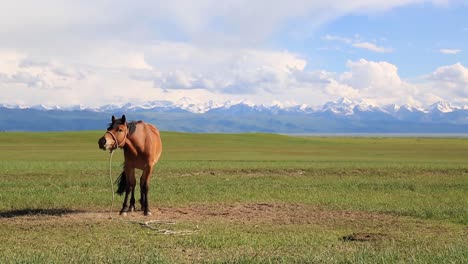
pixel 121 183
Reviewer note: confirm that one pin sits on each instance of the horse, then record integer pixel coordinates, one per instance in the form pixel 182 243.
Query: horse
pixel 142 148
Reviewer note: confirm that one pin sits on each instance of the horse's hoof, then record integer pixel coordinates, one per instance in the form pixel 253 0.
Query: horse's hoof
pixel 148 213
pixel 123 213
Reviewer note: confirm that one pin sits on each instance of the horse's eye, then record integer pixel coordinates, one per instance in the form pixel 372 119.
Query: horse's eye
pixel 120 130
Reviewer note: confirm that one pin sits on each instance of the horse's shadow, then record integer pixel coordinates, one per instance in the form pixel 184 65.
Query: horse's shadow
pixel 37 212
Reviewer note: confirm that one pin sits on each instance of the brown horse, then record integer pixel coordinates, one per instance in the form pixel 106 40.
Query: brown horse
pixel 142 148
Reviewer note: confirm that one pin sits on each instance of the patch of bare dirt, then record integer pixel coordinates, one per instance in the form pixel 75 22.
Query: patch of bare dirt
pixel 248 213
pixel 274 213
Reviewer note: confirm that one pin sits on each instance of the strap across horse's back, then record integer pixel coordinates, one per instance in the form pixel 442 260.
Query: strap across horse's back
pixel 132 126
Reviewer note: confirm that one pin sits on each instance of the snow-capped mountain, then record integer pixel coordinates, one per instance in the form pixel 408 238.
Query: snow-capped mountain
pixel 342 106
pixel 442 107
pixel 342 115
pixel 345 106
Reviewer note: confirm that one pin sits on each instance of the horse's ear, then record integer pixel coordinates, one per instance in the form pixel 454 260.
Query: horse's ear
pixel 113 119
pixel 124 119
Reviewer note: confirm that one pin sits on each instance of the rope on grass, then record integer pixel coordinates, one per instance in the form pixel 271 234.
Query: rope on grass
pixel 164 231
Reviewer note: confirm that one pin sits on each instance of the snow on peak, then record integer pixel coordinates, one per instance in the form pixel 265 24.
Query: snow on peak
pixel 342 106
pixel 394 108
pixel 344 101
pixel 442 106
pixel 195 106
pixel 44 107
pixel 283 105
pixel 391 108
pixel 346 106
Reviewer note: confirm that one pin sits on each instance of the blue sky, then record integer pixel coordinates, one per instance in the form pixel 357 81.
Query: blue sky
pixel 414 33
pixel 290 52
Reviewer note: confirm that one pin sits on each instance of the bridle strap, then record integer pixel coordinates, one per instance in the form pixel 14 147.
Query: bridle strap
pixel 116 142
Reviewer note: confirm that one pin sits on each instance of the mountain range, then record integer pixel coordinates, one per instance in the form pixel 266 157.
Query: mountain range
pixel 340 116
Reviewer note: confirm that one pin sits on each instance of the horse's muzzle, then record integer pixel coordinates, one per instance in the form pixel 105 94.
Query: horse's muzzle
pixel 102 143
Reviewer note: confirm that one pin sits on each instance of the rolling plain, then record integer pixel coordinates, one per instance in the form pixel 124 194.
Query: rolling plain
pixel 238 198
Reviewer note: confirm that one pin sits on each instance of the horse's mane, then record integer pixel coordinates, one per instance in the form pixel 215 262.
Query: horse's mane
pixel 130 125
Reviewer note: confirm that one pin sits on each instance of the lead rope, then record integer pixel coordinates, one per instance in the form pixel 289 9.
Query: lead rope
pixel 111 184
pixel 110 170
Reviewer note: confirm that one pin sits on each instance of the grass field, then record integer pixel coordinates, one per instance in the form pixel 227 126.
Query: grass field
pixel 246 198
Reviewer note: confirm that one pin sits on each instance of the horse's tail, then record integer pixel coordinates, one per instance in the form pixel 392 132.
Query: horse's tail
pixel 121 183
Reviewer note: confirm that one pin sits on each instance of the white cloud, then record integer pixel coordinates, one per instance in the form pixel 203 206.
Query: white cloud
pixel 456 73
pixel 451 81
pixel 234 71
pixel 380 83
pixel 370 75
pixel 258 76
pixel 338 38
pixel 356 42
pixel 218 74
pixel 163 69
pixel 336 89
pixel 450 51
pixel 375 81
pixel 372 47
pixel 23 70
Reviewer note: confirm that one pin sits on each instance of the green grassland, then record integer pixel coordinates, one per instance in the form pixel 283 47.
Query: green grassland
pixel 249 198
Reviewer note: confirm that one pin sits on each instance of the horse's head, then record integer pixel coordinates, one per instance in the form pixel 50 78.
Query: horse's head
pixel 115 135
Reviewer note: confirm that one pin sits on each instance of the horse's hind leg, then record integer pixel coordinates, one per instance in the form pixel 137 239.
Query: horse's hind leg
pixel 132 200
pixel 130 190
pixel 144 188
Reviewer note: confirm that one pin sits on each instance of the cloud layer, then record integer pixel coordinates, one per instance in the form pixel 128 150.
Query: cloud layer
pixel 99 52
pixel 174 70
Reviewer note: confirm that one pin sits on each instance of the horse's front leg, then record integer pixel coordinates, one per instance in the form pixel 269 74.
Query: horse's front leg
pixel 144 188
pixel 129 189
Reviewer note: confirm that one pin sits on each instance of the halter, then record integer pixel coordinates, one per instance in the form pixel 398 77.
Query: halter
pixel 116 142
